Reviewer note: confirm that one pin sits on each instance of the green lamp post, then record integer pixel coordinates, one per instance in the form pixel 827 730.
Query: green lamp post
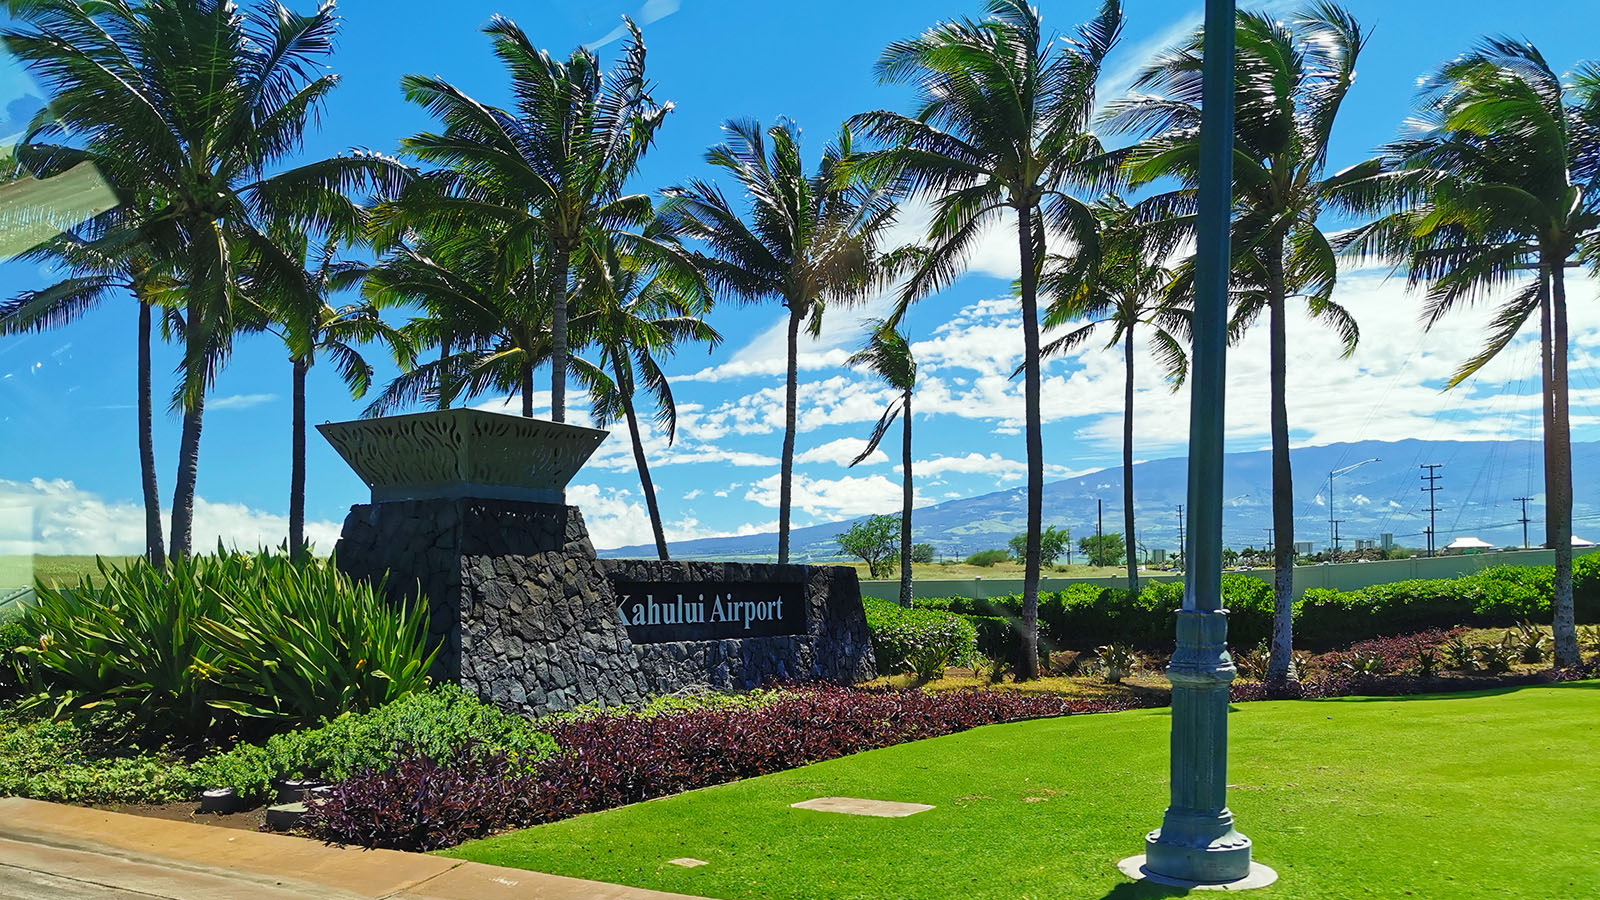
pixel 1197 842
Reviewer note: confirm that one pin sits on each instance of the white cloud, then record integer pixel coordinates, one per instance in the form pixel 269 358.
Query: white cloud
pixel 841 452
pixel 651 11
pixel 840 497
pixel 63 519
pixel 693 494
pixel 240 401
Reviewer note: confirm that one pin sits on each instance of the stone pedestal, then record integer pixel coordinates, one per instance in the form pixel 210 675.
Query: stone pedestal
pixel 523 611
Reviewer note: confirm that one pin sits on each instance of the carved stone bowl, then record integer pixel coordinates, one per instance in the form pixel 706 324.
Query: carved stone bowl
pixel 460 453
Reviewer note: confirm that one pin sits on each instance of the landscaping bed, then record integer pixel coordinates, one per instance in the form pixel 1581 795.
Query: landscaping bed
pixel 1345 798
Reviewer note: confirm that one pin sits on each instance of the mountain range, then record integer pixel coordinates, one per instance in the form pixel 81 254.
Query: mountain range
pixel 1479 483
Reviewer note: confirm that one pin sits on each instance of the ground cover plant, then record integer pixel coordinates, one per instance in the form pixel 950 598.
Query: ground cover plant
pixel 612 760
pixel 445 723
pixel 1334 793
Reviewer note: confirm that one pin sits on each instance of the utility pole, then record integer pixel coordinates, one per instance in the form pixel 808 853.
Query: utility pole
pixel 1524 519
pixel 1432 490
pixel 1099 533
pixel 1271 535
pixel 1183 550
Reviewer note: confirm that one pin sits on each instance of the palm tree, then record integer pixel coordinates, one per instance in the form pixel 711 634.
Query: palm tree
pixel 638 306
pixel 888 355
pixel 1125 289
pixel 193 134
pixel 808 240
pixel 1291 79
pixel 309 326
pixel 1496 187
pixel 1002 124
pixel 543 174
pixel 102 266
pixel 492 330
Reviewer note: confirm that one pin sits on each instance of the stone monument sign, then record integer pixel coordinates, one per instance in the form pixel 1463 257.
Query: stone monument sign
pixel 468 510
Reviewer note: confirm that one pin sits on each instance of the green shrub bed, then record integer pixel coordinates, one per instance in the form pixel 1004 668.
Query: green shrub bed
pixel 1499 595
pixel 442 723
pixel 921 641
pixel 1086 615
pixel 210 644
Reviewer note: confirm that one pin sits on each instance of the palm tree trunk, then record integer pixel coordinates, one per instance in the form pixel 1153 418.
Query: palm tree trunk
pixel 297 463
pixel 1028 665
pixel 645 483
pixel 1280 668
pixel 1127 462
pixel 905 502
pixel 526 378
pixel 154 550
pixel 558 345
pixel 1558 476
pixel 444 383
pixel 188 471
pixel 790 402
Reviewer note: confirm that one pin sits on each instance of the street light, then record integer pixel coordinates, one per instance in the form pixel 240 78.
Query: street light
pixel 1333 524
pixel 1197 842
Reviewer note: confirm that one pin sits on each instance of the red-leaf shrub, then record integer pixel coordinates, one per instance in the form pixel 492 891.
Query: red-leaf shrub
pixel 609 761
pixel 419 803
pixel 1399 653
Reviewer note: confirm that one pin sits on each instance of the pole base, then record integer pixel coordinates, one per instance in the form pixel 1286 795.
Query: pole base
pixel 1259 876
pixel 1196 858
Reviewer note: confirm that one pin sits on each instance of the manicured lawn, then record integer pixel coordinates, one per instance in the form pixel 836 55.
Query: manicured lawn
pixel 1459 796
pixel 18 571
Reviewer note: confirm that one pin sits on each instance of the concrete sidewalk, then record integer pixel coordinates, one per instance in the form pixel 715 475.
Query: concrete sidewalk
pixel 54 852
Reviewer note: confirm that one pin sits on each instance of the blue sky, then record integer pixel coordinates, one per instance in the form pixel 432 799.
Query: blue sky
pixel 66 397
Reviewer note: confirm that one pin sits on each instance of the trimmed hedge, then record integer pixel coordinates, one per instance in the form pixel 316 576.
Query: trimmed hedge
pixel 900 636
pixel 1498 595
pixel 1085 615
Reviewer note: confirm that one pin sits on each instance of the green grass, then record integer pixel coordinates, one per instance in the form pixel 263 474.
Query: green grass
pixel 20 571
pixel 1462 796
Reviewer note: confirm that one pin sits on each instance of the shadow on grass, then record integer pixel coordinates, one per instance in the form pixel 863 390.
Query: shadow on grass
pixel 1459 695
pixel 1143 890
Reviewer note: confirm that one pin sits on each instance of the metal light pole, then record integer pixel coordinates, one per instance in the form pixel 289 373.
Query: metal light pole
pixel 1333 524
pixel 1197 841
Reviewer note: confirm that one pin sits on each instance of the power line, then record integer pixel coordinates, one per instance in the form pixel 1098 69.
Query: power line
pixel 1432 490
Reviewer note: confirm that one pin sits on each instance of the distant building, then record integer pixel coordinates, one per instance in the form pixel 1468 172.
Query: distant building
pixel 1386 541
pixel 1466 545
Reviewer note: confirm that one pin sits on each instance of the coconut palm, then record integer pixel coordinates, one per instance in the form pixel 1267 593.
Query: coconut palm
pixel 1002 124
pixel 195 135
pixel 888 355
pixel 101 266
pixel 638 304
pixel 541 175
pixel 311 327
pixel 1126 290
pixel 1292 78
pixel 807 241
pixel 492 330
pixel 1496 189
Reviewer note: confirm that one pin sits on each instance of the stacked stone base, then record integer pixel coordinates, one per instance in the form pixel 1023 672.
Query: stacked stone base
pixel 525 616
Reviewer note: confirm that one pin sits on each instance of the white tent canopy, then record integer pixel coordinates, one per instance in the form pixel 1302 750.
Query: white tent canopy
pixel 1580 542
pixel 1469 543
